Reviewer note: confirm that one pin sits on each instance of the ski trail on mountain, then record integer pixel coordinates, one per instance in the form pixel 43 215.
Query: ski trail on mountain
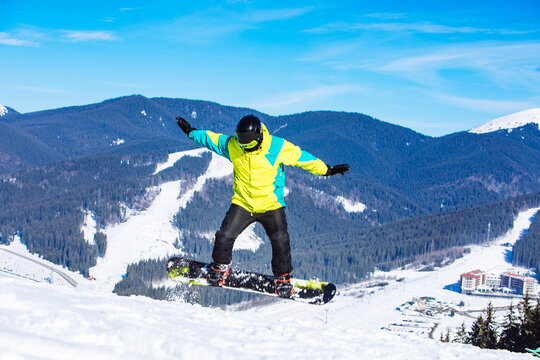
pixel 47 321
pixel 150 234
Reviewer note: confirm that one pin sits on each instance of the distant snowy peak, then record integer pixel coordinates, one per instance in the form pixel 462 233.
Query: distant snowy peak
pixel 3 110
pixel 512 121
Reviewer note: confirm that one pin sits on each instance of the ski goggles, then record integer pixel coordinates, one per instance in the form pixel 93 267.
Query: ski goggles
pixel 248 145
pixel 248 140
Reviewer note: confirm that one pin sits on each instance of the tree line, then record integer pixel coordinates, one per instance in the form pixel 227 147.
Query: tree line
pixel 519 330
pixel 526 251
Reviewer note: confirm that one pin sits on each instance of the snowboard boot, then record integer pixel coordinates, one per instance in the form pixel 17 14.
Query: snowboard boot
pixel 217 274
pixel 282 285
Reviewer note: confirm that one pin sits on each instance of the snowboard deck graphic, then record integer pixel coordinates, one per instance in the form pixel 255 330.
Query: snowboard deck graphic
pixel 188 271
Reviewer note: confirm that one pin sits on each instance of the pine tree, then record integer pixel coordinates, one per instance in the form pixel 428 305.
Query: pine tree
pixel 483 333
pixel 527 330
pixel 477 331
pixel 447 337
pixel 535 325
pixel 461 335
pixel 489 340
pixel 510 332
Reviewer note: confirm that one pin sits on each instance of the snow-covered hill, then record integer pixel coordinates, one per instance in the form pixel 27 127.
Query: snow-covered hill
pixel 17 262
pixel 3 110
pixel 510 122
pixel 54 321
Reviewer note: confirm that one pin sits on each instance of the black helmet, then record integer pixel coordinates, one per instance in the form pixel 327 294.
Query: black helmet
pixel 249 133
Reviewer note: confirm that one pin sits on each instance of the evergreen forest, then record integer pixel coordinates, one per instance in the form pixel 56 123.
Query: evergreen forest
pixel 518 331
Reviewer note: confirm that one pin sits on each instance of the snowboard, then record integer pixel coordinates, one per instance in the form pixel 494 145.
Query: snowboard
pixel 188 271
pixel 535 352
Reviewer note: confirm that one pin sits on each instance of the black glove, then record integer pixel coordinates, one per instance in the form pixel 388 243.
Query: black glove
pixel 184 125
pixel 337 169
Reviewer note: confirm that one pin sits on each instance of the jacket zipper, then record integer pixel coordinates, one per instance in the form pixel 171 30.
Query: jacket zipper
pixel 249 177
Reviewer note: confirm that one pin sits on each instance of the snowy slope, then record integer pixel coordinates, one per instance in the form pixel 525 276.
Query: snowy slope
pixel 350 206
pixel 174 157
pixel 442 283
pixel 17 262
pixel 43 321
pixel 89 227
pixel 151 234
pixel 64 324
pixel 3 110
pixel 509 122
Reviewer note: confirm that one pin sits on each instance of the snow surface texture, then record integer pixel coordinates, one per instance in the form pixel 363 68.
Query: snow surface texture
pixel 89 227
pixel 17 262
pixel 174 157
pixel 510 122
pixel 350 206
pixel 117 142
pixel 3 110
pixel 43 321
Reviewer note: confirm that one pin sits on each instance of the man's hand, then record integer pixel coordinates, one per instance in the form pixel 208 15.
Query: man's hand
pixel 184 125
pixel 337 169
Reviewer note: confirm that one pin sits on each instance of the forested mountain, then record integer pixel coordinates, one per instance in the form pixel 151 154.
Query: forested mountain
pixel 436 174
pixel 7 113
pixel 20 150
pixel 424 197
pixel 132 123
pixel 527 249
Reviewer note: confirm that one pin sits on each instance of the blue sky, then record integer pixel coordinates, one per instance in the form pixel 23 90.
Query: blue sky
pixel 436 67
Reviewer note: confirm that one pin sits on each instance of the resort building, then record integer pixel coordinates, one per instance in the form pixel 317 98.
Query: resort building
pixel 506 284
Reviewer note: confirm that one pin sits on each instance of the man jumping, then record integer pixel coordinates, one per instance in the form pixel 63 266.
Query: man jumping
pixel 258 160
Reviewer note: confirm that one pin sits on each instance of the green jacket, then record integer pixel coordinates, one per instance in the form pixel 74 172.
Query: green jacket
pixel 259 176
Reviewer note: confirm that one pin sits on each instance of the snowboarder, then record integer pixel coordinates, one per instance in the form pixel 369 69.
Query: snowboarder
pixel 258 160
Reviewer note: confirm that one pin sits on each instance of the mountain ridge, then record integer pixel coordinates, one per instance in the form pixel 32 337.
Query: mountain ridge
pixel 487 167
pixel 510 122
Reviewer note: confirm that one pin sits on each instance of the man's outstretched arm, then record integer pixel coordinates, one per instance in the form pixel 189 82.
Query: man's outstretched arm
pixel 217 143
pixel 292 155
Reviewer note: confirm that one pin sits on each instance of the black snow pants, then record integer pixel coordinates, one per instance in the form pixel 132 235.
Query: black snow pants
pixel 275 225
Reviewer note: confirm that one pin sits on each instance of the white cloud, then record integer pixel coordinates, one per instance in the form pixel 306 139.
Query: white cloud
pixel 260 16
pixel 35 36
pixel 514 64
pixel 386 16
pixel 211 24
pixel 79 36
pixel 9 39
pixel 505 65
pixel 423 27
pixel 305 96
pixel 486 105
